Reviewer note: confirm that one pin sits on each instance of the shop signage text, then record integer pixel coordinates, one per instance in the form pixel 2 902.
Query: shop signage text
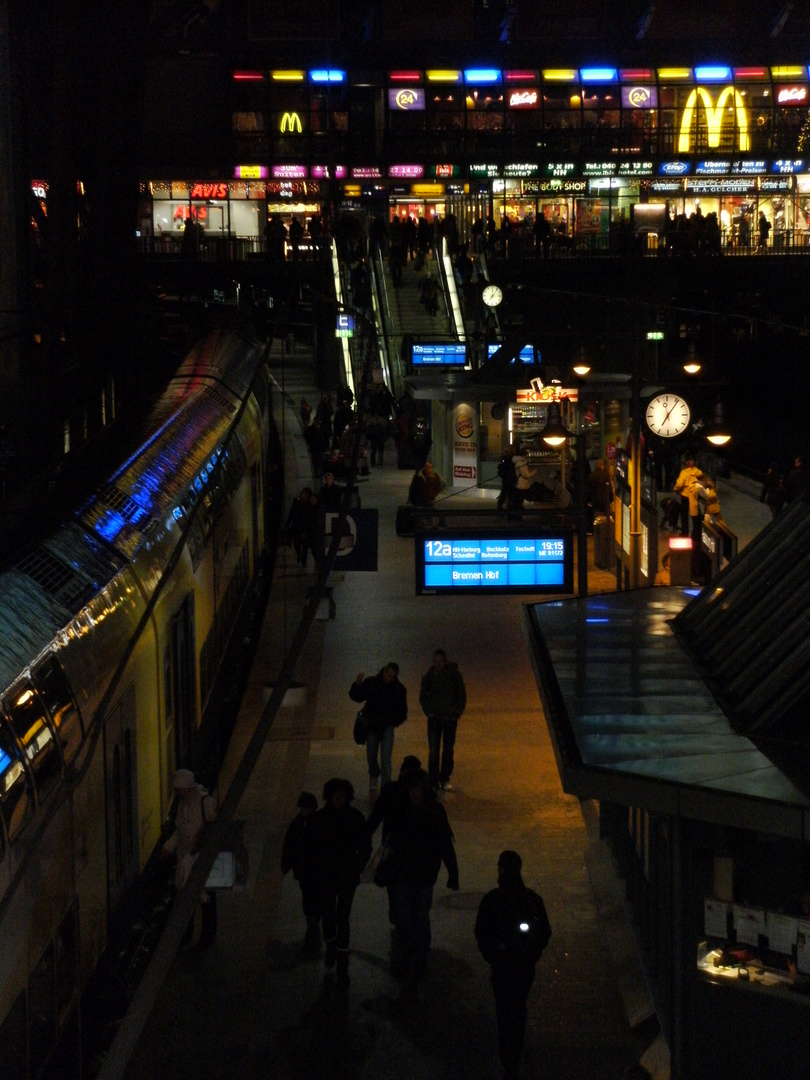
pixel 791 95
pixel 555 187
pixel 209 191
pixel 289 172
pixel 512 169
pixel 640 97
pixel 561 168
pixel 406 172
pixel 714 117
pixel 523 99
pixel 487 171
pixel 366 173
pixel 721 186
pixel 783 166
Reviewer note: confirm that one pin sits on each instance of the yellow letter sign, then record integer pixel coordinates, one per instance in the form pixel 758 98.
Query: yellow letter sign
pixel 714 118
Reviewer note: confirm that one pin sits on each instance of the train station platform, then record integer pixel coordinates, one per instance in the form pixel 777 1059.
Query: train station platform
pixel 253 1006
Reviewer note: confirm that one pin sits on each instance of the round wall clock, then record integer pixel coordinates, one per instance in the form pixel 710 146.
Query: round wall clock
pixel 668 415
pixel 492 295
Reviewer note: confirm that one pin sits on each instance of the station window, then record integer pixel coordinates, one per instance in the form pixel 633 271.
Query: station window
pixel 16 795
pixel 58 700
pixel 31 726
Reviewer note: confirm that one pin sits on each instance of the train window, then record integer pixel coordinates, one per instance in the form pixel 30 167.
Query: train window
pixel 13 1040
pixel 32 727
pixel 16 796
pixel 56 694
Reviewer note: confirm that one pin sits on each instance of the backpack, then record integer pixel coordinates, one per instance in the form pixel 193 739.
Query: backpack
pixel 507 471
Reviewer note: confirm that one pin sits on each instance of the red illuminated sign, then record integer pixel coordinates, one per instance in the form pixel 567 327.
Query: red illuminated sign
pixel 791 95
pixel 523 99
pixel 209 191
pixel 444 170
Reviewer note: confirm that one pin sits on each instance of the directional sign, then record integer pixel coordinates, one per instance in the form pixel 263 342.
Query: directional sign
pixel 357 549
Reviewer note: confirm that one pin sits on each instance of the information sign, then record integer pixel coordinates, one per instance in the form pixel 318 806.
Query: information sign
pixel 475 561
pixel 439 354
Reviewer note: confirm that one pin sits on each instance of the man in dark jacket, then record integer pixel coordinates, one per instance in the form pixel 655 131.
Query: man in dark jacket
pixel 386 707
pixel 338 848
pixel 420 840
pixel 511 929
pixel 295 857
pixel 443 698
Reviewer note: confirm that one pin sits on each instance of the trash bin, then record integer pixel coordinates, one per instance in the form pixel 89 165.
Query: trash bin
pixel 680 560
pixel 602 542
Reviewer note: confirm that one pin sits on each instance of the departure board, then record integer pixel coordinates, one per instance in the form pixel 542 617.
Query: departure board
pixel 531 562
pixel 439 354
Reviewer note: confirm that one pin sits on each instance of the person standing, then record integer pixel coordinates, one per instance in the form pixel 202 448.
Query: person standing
pixel 425 486
pixel 443 698
pixel 773 490
pixel 386 707
pixel 685 485
pixel 338 847
pixel 512 930
pixel 419 841
pixel 797 484
pixel 524 475
pixel 195 808
pixel 295 856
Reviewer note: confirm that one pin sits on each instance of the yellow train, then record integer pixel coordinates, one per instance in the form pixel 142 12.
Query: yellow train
pixel 112 634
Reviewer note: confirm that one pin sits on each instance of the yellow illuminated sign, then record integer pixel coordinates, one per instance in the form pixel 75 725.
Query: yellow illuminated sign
pixel 714 118
pixel 291 122
pixel 427 191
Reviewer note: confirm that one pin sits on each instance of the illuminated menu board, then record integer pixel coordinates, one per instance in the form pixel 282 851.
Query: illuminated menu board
pixel 520 561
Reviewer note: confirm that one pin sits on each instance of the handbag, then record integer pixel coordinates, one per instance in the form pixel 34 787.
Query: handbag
pixel 375 863
pixel 360 728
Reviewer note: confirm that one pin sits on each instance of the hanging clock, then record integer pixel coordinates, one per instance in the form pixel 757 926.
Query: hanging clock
pixel 668 415
pixel 492 295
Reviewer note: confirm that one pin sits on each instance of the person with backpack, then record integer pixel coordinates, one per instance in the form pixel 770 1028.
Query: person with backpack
pixel 512 930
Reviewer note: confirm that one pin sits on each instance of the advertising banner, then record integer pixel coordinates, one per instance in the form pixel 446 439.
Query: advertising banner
pixel 465 446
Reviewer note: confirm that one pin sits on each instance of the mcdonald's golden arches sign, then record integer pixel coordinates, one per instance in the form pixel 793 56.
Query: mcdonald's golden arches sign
pixel 291 122
pixel 730 99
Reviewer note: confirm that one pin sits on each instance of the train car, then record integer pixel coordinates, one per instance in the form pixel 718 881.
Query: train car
pixel 112 633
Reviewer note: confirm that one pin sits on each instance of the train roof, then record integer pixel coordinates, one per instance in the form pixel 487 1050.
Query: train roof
pixel 179 444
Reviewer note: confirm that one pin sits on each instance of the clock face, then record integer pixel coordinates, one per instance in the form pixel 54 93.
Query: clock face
pixel 492 296
pixel 668 415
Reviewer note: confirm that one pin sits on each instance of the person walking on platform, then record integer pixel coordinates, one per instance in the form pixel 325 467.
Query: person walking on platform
pixel 386 707
pixel 338 847
pixel 512 930
pixel 194 809
pixel 419 841
pixel 443 698
pixel 296 857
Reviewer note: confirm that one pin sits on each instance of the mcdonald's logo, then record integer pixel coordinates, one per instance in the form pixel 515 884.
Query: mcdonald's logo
pixel 291 122
pixel 714 118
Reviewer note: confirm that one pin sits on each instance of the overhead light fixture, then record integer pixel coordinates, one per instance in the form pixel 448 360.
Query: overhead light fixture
pixel 581 367
pixel 717 432
pixel 691 365
pixel 555 433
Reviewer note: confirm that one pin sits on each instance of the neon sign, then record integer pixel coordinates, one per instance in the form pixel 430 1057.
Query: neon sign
pixel 209 191
pixel 791 95
pixel 714 117
pixel 291 122
pixel 523 99
pixel 406 98
pixel 640 97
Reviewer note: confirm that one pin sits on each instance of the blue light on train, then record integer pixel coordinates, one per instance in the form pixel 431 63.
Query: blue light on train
pixel 598 75
pixel 597 620
pixel 713 73
pixel 197 484
pixel 5 761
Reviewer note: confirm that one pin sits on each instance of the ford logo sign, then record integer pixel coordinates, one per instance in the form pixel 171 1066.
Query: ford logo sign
pixel 675 168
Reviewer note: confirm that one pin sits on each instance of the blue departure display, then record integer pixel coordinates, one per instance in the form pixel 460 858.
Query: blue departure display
pixel 510 563
pixel 526 355
pixel 439 354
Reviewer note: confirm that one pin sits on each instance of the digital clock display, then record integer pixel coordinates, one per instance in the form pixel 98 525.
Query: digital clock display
pixel 532 562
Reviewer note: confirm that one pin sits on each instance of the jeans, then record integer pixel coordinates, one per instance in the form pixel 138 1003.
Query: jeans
pixel 384 744
pixel 336 906
pixel 410 908
pixel 441 733
pixel 511 993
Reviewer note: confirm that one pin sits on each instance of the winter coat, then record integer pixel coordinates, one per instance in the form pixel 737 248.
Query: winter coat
pixel 337 846
pixel 442 693
pixel 420 840
pixel 386 703
pixel 498 927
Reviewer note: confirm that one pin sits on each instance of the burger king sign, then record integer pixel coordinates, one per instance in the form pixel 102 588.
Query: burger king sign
pixel 465 445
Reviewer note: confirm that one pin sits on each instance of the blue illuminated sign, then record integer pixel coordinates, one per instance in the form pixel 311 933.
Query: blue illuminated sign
pixel 328 75
pixel 526 354
pixel 520 561
pixel 439 354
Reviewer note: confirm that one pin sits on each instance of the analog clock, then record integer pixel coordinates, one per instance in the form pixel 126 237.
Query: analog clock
pixel 492 295
pixel 668 415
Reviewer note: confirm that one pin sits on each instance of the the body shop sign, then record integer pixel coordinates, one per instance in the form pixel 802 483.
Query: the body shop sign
pixel 465 445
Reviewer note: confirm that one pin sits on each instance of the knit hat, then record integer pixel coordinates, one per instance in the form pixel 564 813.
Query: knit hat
pixel 183 780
